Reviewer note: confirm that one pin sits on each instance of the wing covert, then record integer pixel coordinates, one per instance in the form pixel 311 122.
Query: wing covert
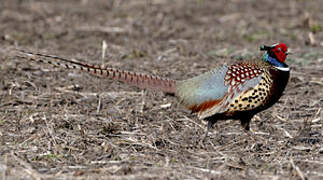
pixel 239 87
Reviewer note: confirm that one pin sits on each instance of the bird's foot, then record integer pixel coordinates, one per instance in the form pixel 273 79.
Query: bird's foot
pixel 252 135
pixel 209 126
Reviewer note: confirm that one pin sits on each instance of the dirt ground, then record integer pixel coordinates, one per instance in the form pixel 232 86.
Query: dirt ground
pixel 59 124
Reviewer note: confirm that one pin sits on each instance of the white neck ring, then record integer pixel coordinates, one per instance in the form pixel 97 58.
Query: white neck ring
pixel 282 68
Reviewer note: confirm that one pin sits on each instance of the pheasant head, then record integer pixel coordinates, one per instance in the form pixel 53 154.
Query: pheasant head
pixel 276 55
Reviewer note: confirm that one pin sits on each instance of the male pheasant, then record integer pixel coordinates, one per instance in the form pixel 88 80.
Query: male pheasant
pixel 237 91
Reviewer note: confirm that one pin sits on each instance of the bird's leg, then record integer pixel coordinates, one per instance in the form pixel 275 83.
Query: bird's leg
pixel 210 123
pixel 245 123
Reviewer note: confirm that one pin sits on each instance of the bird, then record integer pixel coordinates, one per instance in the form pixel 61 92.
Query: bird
pixel 234 91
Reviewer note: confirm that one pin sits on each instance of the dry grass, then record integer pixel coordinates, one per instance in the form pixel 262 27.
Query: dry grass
pixel 56 124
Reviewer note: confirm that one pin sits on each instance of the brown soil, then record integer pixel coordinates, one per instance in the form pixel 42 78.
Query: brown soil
pixel 58 124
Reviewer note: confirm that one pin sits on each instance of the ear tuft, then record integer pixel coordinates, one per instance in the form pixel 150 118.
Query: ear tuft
pixel 264 48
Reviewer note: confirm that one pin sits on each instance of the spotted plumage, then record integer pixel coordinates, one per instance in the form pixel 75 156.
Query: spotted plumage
pixel 236 91
pixel 253 97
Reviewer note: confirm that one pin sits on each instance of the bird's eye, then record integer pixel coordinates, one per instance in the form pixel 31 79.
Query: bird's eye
pixel 279 49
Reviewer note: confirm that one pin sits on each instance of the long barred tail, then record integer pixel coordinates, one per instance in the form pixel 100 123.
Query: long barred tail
pixel 140 80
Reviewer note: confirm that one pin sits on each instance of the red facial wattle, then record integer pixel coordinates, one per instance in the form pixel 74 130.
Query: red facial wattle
pixel 280 51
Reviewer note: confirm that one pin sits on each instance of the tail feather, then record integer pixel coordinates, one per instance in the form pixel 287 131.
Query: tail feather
pixel 141 80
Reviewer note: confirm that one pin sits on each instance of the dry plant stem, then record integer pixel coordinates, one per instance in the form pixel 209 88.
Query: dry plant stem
pixel 121 143
pixel 27 167
pixel 298 171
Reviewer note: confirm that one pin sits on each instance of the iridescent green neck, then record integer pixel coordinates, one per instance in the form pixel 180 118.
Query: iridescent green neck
pixel 265 57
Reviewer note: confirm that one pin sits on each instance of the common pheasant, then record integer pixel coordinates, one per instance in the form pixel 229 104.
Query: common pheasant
pixel 237 91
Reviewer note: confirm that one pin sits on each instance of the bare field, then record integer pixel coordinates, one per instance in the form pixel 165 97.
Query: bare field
pixel 59 124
